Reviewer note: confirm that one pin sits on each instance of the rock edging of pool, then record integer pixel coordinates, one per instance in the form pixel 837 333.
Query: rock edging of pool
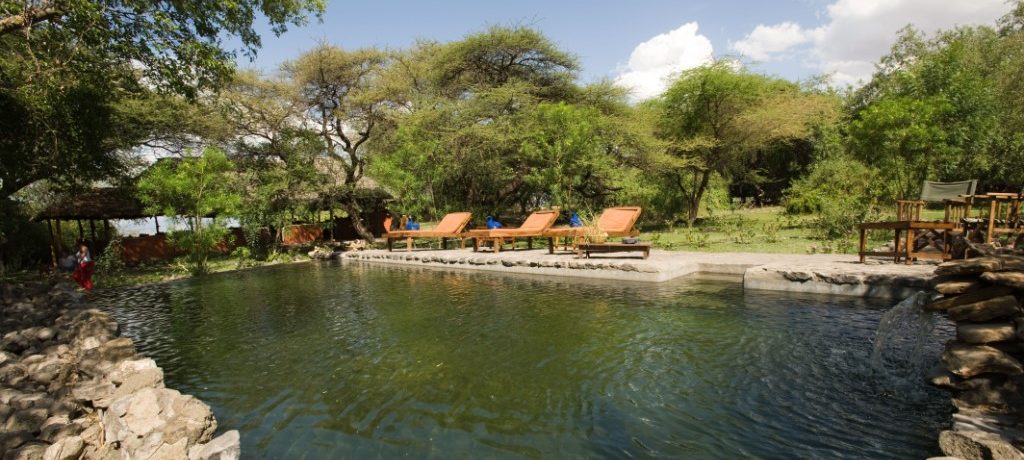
pixel 982 366
pixel 821 274
pixel 71 387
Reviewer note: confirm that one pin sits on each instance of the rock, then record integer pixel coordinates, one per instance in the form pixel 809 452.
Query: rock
pixel 971 445
pixel 92 391
pixel 1011 279
pixel 985 332
pixel 65 449
pixel 971 297
pixel 224 447
pixel 29 451
pixel 10 440
pixel 175 451
pixel 45 333
pixel 985 310
pixel 146 378
pixel 954 285
pixel 969 266
pixel 27 420
pixel 797 276
pixel 969 360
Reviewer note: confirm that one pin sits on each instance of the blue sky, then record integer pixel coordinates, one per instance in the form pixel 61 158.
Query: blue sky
pixel 639 43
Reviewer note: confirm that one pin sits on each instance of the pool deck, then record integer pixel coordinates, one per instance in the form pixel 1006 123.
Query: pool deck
pixel 823 273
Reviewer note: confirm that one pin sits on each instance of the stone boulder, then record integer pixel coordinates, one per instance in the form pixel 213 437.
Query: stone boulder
pixel 977 445
pixel 970 360
pixel 981 333
pixel 973 266
pixel 985 310
pixel 1010 279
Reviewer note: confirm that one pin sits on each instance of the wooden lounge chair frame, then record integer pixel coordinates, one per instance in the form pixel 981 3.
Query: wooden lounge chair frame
pixel 607 223
pixel 533 227
pixel 450 226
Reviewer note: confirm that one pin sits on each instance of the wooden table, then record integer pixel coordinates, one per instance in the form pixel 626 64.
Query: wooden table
pixel 1003 206
pixel 587 248
pixel 907 251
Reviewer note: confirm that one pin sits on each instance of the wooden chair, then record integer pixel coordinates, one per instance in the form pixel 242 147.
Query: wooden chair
pixel 451 226
pixel 912 232
pixel 616 222
pixel 533 227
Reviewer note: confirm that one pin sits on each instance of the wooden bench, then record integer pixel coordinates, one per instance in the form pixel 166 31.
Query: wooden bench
pixel 584 249
pixel 903 242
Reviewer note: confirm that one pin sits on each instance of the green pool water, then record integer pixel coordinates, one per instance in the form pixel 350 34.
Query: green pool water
pixel 361 361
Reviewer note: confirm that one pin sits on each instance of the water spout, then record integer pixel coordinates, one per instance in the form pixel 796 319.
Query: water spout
pixel 903 353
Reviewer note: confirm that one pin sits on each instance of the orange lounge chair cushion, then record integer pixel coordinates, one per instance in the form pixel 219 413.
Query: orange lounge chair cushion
pixel 613 221
pixel 535 225
pixel 450 226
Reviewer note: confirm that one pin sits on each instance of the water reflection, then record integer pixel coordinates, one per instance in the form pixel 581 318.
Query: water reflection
pixel 330 361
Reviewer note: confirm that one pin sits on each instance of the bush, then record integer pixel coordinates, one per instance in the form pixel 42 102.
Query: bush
pixel 840 192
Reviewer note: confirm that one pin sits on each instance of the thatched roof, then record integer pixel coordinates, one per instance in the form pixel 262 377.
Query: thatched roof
pixel 98 203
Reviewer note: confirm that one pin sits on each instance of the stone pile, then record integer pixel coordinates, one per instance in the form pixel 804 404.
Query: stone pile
pixel 71 388
pixel 984 364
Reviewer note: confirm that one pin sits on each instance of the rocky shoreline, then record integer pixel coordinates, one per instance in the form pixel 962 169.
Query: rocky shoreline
pixel 71 387
pixel 982 366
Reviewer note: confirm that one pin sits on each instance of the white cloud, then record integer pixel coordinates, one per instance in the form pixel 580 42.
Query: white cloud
pixel 654 61
pixel 766 42
pixel 859 32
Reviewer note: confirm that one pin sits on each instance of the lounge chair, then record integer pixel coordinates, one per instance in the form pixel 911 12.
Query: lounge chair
pixel 533 227
pixel 450 227
pixel 619 221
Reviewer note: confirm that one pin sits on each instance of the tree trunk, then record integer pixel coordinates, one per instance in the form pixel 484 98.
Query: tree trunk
pixel 354 214
pixel 694 199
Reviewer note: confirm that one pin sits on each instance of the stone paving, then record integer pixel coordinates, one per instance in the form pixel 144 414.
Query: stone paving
pixel 823 273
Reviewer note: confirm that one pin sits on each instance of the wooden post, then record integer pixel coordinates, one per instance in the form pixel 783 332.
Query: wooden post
pixel 991 221
pixel 81 233
pixel 156 219
pixel 106 229
pixel 863 243
pixel 910 245
pixel 53 248
pixel 92 230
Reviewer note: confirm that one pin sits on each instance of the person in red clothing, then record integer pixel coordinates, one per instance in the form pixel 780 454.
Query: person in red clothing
pixel 84 268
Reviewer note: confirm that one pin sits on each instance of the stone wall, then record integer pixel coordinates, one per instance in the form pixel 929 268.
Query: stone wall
pixel 982 366
pixel 71 387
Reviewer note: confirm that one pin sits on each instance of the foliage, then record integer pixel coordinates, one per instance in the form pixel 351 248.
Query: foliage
pixel 340 93
pixel 718 118
pixel 840 191
pixel 193 188
pixel 945 108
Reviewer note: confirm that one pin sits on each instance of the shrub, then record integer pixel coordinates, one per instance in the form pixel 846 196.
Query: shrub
pixel 840 192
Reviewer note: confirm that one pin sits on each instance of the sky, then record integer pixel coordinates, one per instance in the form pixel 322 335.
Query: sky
pixel 640 44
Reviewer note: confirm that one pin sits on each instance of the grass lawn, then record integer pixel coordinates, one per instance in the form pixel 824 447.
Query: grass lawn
pixel 766 230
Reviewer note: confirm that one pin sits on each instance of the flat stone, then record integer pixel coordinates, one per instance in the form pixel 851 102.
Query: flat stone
pixel 971 297
pixel 986 332
pixel 976 445
pixel 969 360
pixel 969 266
pixel 28 451
pixel 955 285
pixel 224 447
pixel 65 449
pixel 985 310
pixel 797 276
pixel 1011 279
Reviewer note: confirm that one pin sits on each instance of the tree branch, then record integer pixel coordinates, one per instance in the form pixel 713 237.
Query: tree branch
pixel 31 15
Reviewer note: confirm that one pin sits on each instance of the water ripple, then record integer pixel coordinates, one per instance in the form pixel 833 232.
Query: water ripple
pixel 360 361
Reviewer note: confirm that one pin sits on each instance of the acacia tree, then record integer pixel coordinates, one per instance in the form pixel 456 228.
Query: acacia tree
pixel 343 100
pixel 277 156
pixel 717 117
